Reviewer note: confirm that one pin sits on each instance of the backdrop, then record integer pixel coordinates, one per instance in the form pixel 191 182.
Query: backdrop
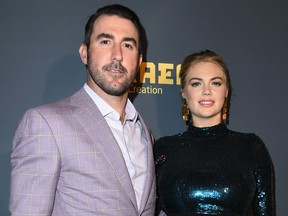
pixel 39 43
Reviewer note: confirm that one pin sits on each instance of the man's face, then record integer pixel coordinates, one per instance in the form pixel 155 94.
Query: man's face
pixel 112 58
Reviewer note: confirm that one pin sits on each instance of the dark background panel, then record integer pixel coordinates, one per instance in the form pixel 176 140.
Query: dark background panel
pixel 39 43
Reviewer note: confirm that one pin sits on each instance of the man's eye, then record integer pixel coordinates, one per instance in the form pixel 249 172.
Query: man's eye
pixel 104 42
pixel 128 46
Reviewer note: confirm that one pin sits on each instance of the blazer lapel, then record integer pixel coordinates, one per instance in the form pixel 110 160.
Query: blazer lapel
pixel 97 128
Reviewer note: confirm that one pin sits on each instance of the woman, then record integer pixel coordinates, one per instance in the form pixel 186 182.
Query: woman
pixel 209 169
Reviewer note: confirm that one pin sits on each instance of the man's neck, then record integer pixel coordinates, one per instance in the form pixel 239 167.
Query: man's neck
pixel 118 103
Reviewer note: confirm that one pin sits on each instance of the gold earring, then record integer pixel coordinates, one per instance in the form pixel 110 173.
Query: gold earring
pixel 185 111
pixel 224 111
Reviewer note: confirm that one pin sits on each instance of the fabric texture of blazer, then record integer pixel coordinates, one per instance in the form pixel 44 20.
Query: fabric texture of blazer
pixel 66 161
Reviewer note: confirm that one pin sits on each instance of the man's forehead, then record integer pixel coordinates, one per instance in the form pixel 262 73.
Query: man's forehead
pixel 114 21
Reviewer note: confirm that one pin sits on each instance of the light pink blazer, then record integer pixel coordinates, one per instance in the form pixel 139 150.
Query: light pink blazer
pixel 66 161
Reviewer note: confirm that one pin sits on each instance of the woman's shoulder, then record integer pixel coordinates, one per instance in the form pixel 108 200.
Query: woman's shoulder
pixel 168 139
pixel 238 133
pixel 166 145
pixel 251 141
pixel 244 135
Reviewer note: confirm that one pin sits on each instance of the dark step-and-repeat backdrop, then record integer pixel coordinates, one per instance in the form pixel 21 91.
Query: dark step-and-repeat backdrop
pixel 39 43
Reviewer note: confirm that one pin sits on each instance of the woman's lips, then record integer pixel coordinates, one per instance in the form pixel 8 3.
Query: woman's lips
pixel 206 102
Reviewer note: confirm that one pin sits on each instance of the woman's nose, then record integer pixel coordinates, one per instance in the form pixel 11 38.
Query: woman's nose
pixel 206 91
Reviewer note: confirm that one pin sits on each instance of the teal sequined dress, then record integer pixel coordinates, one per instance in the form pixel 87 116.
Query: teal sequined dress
pixel 214 171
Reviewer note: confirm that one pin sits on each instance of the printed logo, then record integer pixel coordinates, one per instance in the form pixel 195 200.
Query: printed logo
pixel 152 77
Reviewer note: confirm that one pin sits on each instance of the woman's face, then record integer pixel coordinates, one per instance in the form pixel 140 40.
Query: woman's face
pixel 205 91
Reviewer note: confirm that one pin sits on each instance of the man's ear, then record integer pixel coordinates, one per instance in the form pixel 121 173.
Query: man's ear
pixel 83 53
pixel 140 59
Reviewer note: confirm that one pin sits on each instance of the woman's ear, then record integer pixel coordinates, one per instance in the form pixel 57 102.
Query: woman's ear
pixel 183 94
pixel 227 92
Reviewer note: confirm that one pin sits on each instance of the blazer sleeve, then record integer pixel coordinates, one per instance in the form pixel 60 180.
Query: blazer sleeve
pixel 35 162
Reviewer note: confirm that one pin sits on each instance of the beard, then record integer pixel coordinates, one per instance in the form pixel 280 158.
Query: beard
pixel 99 78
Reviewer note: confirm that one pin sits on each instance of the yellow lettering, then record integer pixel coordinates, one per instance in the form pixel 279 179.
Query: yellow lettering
pixel 147 71
pixel 145 90
pixel 168 74
pixel 165 73
pixel 178 68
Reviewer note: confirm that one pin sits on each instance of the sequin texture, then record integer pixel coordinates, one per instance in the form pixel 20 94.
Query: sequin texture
pixel 214 171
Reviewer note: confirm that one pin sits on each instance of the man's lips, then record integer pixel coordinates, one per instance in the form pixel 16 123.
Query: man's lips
pixel 115 67
pixel 114 70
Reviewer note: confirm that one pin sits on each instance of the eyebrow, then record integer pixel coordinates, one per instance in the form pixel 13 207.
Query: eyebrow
pixel 105 35
pixel 214 78
pixel 110 36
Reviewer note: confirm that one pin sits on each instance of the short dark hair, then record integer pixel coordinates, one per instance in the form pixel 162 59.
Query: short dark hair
pixel 118 10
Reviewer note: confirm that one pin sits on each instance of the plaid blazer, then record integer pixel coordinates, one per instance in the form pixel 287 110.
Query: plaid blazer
pixel 66 161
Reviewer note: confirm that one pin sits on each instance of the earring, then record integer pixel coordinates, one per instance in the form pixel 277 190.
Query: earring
pixel 185 111
pixel 225 111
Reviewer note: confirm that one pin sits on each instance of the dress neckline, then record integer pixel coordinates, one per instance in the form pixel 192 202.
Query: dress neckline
pixel 211 131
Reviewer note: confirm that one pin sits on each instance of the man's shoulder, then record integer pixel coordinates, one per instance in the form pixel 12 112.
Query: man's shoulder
pixel 59 106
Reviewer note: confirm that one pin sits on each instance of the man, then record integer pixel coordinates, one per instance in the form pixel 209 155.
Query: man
pixel 91 153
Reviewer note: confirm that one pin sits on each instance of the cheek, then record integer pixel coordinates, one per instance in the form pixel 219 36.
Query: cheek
pixel 221 99
pixel 97 53
pixel 193 94
pixel 131 62
pixel 189 93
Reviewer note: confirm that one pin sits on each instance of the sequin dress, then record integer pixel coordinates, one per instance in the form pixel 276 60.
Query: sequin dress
pixel 214 171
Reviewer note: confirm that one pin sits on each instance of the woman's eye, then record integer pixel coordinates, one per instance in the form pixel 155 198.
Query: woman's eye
pixel 217 83
pixel 195 84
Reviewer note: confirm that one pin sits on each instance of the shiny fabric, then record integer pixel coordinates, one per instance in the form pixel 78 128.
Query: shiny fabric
pixel 214 171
